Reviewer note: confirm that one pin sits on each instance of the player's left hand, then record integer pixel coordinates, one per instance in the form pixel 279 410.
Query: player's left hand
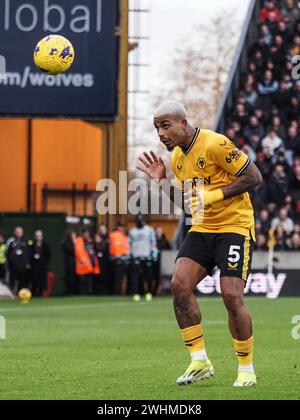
pixel 197 199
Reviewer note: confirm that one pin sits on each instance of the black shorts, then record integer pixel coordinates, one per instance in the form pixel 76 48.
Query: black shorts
pixel 230 252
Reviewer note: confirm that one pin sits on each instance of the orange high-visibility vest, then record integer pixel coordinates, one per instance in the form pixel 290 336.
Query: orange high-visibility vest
pixel 118 244
pixel 83 263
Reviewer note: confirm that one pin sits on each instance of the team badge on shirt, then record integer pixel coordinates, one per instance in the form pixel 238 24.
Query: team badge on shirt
pixel 201 163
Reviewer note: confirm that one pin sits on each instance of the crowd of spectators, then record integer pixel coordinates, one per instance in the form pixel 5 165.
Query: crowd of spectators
pixel 121 262
pixel 265 122
pixel 24 263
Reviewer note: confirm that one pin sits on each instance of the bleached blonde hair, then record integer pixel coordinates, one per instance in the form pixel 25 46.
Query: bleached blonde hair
pixel 173 108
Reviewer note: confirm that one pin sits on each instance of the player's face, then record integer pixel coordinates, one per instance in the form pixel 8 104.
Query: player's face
pixel 170 130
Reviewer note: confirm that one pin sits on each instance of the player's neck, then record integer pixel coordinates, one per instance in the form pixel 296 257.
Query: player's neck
pixel 190 133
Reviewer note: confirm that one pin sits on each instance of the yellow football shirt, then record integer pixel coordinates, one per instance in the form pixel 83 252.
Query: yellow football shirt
pixel 214 160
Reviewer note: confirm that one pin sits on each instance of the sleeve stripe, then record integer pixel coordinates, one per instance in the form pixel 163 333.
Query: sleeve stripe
pixel 243 167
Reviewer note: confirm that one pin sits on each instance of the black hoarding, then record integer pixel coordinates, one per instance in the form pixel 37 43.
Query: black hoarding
pixel 259 283
pixel 89 89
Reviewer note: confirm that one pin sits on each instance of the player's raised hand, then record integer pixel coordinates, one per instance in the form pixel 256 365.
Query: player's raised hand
pixel 153 166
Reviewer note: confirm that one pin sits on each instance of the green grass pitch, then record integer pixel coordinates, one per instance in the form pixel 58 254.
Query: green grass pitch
pixel 112 348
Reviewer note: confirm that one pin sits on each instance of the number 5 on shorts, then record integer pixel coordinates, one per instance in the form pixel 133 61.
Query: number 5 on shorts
pixel 234 255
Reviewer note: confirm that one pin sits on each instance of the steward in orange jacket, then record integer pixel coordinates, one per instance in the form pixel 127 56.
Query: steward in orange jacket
pixel 118 243
pixel 85 263
pixel 119 255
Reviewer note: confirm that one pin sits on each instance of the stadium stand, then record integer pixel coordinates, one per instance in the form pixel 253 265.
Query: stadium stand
pixel 260 113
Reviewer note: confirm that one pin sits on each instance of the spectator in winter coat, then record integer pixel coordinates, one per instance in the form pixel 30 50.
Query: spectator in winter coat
pixel 40 258
pixel 2 258
pixel 69 262
pixel 18 257
pixel 284 221
pixel 269 9
pixel 272 141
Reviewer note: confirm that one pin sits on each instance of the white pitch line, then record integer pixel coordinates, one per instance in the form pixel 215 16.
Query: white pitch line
pixel 120 321
pixel 216 322
pixel 90 305
pixel 106 305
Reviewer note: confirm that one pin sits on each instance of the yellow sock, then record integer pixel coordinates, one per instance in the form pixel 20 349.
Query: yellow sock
pixel 244 351
pixel 194 341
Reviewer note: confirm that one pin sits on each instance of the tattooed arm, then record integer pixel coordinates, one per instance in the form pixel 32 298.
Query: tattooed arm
pixel 250 178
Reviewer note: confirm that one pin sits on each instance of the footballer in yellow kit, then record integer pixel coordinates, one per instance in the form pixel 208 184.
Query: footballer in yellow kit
pixel 213 160
pixel 213 172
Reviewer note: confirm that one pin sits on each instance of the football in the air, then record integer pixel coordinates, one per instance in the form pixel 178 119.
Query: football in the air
pixel 24 295
pixel 54 54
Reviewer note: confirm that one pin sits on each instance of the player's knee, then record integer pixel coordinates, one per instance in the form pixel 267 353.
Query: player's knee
pixel 178 285
pixel 232 299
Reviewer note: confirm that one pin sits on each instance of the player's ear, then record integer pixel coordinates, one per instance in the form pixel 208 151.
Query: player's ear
pixel 184 123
